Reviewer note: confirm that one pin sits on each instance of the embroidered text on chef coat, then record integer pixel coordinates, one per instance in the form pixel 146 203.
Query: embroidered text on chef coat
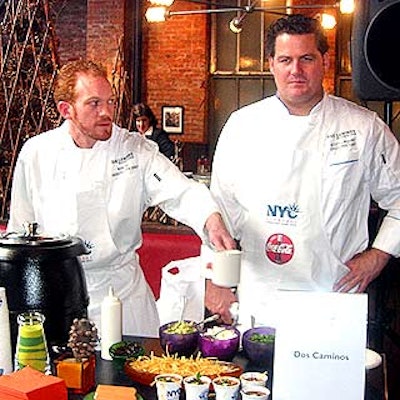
pixel 123 164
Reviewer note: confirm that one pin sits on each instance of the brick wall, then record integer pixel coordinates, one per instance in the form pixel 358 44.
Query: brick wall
pixel 174 54
pixel 90 29
pixel 329 79
pixel 105 27
pixel 175 68
pixel 70 28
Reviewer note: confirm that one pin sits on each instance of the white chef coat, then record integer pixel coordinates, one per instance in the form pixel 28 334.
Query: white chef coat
pixel 100 194
pixel 295 190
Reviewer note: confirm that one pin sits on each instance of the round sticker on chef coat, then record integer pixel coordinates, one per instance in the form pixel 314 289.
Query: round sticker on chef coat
pixel 279 248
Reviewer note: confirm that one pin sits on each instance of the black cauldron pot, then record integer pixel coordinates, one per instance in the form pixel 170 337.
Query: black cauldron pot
pixel 44 274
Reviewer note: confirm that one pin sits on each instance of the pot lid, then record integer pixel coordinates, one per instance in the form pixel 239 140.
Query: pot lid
pixel 30 237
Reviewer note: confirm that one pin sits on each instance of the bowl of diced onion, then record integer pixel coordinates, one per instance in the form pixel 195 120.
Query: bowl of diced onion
pixel 221 342
pixel 179 337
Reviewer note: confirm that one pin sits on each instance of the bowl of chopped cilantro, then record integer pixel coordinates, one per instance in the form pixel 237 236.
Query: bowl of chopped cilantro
pixel 258 345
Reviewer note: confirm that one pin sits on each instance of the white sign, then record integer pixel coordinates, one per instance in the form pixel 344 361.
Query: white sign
pixel 320 346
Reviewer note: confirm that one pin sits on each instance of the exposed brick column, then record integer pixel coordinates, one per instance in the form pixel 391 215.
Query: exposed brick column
pixel 175 64
pixel 70 29
pixel 105 27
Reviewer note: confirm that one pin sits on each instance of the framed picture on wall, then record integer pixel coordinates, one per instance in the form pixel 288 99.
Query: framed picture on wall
pixel 172 119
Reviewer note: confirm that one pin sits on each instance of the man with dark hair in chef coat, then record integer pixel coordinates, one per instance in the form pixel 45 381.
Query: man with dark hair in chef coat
pixel 298 201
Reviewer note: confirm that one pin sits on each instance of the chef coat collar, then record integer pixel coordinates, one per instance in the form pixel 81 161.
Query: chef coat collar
pixel 314 110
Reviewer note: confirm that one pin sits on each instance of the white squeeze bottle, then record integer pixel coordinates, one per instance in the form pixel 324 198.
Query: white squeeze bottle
pixel 6 366
pixel 111 323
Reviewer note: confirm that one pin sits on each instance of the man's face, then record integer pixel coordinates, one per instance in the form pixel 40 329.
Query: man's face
pixel 298 69
pixel 91 114
pixel 142 124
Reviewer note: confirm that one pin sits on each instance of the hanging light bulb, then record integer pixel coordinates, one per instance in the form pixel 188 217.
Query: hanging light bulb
pixel 346 6
pixel 328 21
pixel 235 25
pixel 156 14
pixel 165 3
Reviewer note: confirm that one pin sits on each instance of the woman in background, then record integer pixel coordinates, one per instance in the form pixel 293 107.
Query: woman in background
pixel 146 124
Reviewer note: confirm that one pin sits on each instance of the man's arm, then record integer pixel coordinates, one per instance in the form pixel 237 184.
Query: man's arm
pixel 219 299
pixel 384 160
pixel 21 207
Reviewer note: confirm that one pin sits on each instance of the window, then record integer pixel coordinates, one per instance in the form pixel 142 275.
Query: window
pixel 242 53
pixel 239 68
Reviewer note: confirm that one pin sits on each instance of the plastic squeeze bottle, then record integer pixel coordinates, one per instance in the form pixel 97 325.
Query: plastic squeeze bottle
pixel 111 323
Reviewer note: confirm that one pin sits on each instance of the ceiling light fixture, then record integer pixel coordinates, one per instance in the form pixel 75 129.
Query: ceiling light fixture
pixel 158 13
pixel 347 6
pixel 328 21
pixel 165 3
pixel 236 23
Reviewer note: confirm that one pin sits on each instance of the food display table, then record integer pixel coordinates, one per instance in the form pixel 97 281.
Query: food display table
pixel 108 374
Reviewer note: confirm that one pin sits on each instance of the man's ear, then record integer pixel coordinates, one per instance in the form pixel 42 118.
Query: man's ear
pixel 65 109
pixel 271 64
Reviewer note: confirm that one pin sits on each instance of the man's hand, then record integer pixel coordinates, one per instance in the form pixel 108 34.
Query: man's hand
pixel 364 268
pixel 218 235
pixel 218 301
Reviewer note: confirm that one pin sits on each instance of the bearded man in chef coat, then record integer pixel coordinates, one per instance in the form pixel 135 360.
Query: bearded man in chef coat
pixel 298 201
pixel 90 178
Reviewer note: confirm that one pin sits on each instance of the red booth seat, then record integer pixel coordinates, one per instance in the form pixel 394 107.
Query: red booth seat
pixel 159 249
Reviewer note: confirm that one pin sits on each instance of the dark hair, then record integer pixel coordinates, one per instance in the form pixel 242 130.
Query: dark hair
pixel 143 110
pixel 296 24
pixel 68 75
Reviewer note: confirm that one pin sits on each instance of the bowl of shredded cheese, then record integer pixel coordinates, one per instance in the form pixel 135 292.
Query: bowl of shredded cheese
pixel 144 369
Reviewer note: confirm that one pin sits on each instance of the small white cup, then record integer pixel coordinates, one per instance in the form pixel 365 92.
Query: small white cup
pixel 255 392
pixel 169 386
pixel 226 268
pixel 195 390
pixel 251 378
pixel 226 387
